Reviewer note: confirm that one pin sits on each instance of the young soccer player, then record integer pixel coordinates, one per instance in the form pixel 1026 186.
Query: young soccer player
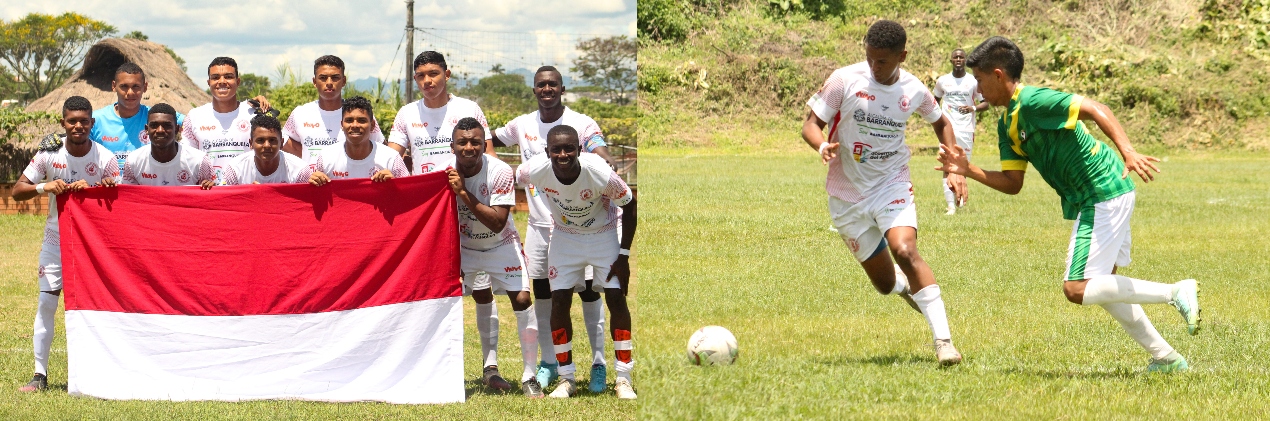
pixel 164 161
pixel 315 126
pixel 423 127
pixel 529 131
pixel 583 193
pixel 1044 127
pixel 120 127
pixel 358 157
pixel 870 193
pixel 489 243
pixel 266 163
pixel 221 128
pixel 961 102
pixel 69 167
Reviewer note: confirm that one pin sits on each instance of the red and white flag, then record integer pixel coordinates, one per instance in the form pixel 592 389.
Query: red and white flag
pixel 346 292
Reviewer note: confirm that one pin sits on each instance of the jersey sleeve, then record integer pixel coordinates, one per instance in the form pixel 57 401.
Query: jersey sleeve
pixel 502 188
pixel 1048 109
pixel 522 173
pixel 205 171
pixel 187 136
pixel 508 134
pixel 109 166
pixel 1011 159
pixel 826 102
pixel 376 135
pixel 591 136
pixel 38 168
pixel 398 166
pixel 231 175
pixel 617 191
pixel 288 130
pixel 129 173
pixel 302 176
pixel 928 108
pixel 398 134
pixel 939 88
pixel 480 117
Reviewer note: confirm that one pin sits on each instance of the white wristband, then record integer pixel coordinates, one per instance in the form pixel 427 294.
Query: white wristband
pixel 823 146
pixel 624 252
pixel 39 188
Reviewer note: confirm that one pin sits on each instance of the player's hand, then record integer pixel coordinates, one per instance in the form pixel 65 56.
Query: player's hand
pixel 264 103
pixel 1139 163
pixel 206 184
pixel 957 183
pixel 319 179
pixel 77 186
pixel 381 176
pixel 456 180
pixel 965 109
pixel 107 182
pixel 621 270
pixel 954 162
pixel 56 187
pixel 255 182
pixel 828 151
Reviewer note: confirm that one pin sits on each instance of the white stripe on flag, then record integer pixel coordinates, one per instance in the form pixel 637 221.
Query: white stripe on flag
pixel 398 353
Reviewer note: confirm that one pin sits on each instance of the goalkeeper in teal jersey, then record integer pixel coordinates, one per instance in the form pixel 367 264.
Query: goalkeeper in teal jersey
pixel 1043 127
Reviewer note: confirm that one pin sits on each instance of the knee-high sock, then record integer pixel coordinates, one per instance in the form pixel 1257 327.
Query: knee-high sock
pixel 901 282
pixel 563 345
pixel 949 196
pixel 1139 327
pixel 622 350
pixel 487 327
pixel 1104 289
pixel 931 303
pixel 43 338
pixel 593 316
pixel 527 329
pixel 542 309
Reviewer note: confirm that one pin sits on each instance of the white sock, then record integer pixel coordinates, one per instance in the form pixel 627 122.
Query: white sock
pixel 949 196
pixel 566 371
pixel 932 305
pixel 901 282
pixel 542 308
pixel 1135 322
pixel 487 327
pixel 1104 289
pixel 527 329
pixel 593 317
pixel 45 316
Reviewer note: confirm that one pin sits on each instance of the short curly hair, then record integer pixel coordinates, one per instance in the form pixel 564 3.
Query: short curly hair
pixel 267 121
pixel 76 103
pixel 886 35
pixel 997 53
pixel 358 103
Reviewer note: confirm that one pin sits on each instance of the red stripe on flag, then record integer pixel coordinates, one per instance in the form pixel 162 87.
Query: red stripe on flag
pixel 260 249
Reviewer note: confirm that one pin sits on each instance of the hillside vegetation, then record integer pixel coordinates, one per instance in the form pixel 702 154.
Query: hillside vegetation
pixel 1188 74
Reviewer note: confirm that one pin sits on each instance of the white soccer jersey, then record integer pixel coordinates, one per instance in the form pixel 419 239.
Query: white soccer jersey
pixel 222 136
pixel 957 92
pixel 98 163
pixel 317 129
pixel 868 119
pixel 189 167
pixel 242 170
pixel 494 185
pixel 530 133
pixel 337 165
pixel 426 132
pixel 589 205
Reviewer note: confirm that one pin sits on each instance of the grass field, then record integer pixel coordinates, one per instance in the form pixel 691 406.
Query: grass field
pixel 742 241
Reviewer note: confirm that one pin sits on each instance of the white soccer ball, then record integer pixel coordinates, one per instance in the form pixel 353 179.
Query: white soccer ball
pixel 712 345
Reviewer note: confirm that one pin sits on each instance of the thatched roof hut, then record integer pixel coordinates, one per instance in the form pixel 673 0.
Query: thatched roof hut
pixel 167 82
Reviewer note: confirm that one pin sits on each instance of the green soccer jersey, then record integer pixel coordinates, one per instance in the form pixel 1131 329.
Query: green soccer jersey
pixel 1041 126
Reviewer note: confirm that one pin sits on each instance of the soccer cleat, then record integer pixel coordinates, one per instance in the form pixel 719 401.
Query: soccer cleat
pixel 493 380
pixel 1186 301
pixel 624 389
pixel 1176 364
pixel 599 375
pixel 908 298
pixel 566 389
pixel 532 389
pixel 946 353
pixel 547 374
pixel 38 382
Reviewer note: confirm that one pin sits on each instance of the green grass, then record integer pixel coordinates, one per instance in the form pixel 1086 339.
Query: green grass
pixel 742 241
pixel 19 246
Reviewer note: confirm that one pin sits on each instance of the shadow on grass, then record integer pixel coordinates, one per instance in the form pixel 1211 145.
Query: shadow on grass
pixel 879 360
pixel 1057 374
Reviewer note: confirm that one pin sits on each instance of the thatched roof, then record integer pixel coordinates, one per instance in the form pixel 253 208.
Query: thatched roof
pixel 167 82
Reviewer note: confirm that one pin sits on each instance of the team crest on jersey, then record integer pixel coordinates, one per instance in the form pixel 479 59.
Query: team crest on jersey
pixel 551 272
pixel 41 271
pixel 586 194
pixel 484 189
pixel 243 126
pixel 904 105
pixel 91 168
pixel 183 176
pixel 853 245
pixel 454 120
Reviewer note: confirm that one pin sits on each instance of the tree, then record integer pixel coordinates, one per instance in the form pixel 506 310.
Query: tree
pixel 502 92
pixel 43 50
pixel 608 63
pixel 137 35
pixel 497 69
pixel 250 85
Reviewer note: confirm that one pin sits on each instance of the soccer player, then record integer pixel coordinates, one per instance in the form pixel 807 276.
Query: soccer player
pixel 423 128
pixel 870 193
pixel 121 126
pixel 1043 127
pixel 164 161
pixel 583 193
pixel 489 243
pixel 529 131
pixel 961 101
pixel 69 167
pixel 316 125
pixel 358 157
pixel 266 164
pixel 221 128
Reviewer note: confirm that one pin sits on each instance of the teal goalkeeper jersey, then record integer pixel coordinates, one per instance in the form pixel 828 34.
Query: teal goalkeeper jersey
pixel 1041 126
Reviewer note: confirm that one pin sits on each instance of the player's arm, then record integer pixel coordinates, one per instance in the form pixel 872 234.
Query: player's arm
pixel 1107 122
pixel 944 132
pixel 493 217
pixel 814 135
pixel 622 267
pixel 25 189
pixel 954 161
pixel 293 147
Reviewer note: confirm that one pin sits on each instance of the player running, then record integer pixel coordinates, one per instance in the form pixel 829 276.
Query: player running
pixel 221 128
pixel 870 193
pixel 357 156
pixel 315 126
pixel 120 127
pixel 1043 127
pixel 164 161
pixel 961 102
pixel 489 243
pixel 266 163
pixel 529 131
pixel 582 193
pixel 58 168
pixel 423 127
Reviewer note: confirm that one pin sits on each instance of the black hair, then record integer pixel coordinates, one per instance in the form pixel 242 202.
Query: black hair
pixel 546 69
pixel 468 123
pixel 997 53
pixel 224 61
pixel 76 103
pixel 358 103
pixel 886 35
pixel 130 68
pixel 163 108
pixel 956 50
pixel 562 130
pixel 328 60
pixel 267 121
pixel 430 57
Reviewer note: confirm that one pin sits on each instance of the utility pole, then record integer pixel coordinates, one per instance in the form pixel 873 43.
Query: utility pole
pixel 410 51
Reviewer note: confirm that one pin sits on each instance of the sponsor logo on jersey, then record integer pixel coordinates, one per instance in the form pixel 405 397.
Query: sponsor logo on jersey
pixel 896 202
pixel 904 105
pixel 550 190
pixel 144 175
pixel 312 125
pixel 339 173
pixel 860 150
pixel 882 120
pixel 866 96
pixel 183 176
pixel 110 138
pixel 419 125
pixel 91 168
pixel 206 128
pixel 510 269
pixel 586 194
pixel 58 165
pixel 425 168
pixel 531 138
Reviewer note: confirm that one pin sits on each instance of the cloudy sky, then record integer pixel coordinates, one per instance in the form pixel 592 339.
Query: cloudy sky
pixel 367 34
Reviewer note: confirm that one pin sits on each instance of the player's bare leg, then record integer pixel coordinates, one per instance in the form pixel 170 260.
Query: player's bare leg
pixel 902 243
pixel 621 322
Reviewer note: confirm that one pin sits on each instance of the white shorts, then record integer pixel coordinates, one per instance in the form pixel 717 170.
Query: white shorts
pixel 50 270
pixel 966 140
pixel 863 225
pixel 537 241
pixel 501 267
pixel 571 253
pixel 1100 239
